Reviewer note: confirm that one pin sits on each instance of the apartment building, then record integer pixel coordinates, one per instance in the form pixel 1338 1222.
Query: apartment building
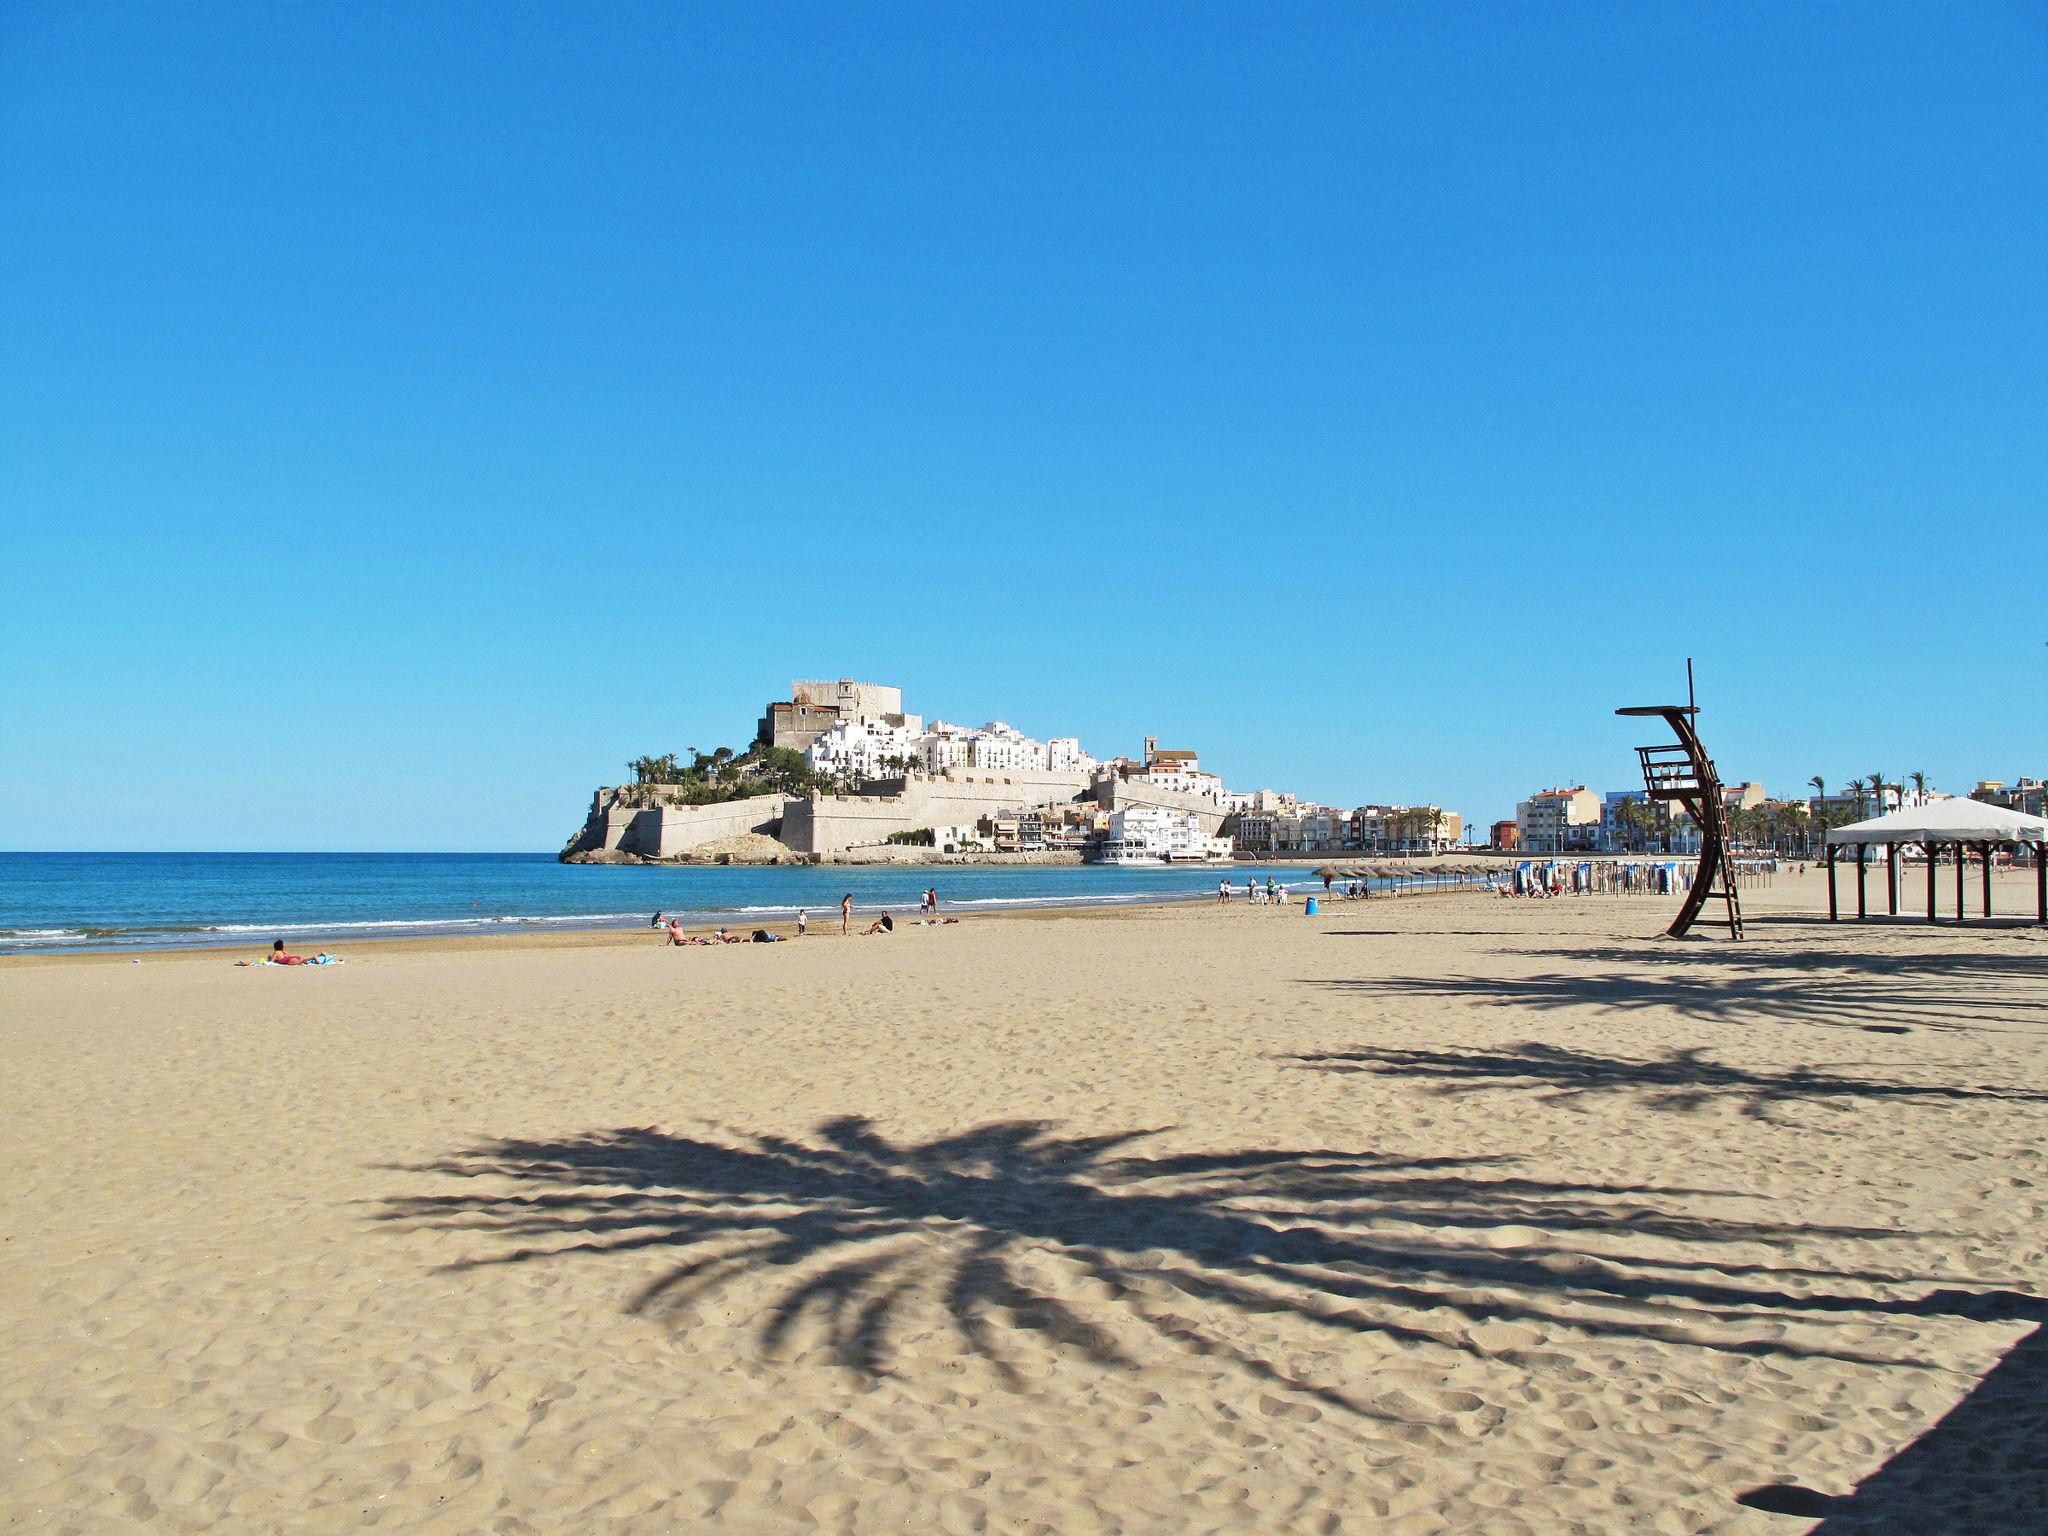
pixel 1559 821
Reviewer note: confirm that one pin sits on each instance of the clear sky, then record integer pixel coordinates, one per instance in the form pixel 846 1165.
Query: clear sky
pixel 408 413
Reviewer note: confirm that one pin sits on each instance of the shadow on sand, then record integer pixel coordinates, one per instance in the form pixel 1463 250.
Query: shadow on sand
pixel 1981 1469
pixel 1007 1225
pixel 1627 980
pixel 1682 1079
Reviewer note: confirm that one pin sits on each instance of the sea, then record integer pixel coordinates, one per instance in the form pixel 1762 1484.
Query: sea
pixel 74 902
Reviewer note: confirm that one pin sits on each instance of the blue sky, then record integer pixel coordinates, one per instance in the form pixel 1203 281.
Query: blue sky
pixel 410 413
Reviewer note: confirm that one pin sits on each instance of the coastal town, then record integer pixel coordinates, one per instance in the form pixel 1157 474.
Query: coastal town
pixel 840 770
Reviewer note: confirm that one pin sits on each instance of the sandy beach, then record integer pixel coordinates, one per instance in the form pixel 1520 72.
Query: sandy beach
pixel 1439 1214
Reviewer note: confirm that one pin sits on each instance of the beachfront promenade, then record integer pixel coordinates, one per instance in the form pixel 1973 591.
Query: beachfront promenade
pixel 1448 1214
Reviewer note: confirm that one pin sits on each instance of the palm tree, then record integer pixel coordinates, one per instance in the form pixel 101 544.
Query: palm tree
pixel 1820 792
pixel 1919 785
pixel 1877 789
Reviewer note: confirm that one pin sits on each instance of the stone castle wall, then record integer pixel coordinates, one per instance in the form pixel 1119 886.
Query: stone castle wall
pixel 832 823
pixel 663 831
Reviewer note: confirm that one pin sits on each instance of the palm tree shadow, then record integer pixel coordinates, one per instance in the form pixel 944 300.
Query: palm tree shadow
pixel 1683 1079
pixel 1888 1008
pixel 1009 1225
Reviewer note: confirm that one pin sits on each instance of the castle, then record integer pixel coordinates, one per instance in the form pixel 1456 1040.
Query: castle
pixel 895 776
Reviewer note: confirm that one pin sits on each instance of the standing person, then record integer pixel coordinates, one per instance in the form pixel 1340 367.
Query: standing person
pixel 1326 883
pixel 1223 890
pixel 845 912
pixel 933 896
pixel 1251 889
pixel 803 922
pixel 1272 889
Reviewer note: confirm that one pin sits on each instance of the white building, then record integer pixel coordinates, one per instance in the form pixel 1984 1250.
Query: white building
pixel 1063 754
pixel 997 748
pixel 1152 834
pixel 1000 748
pixel 863 749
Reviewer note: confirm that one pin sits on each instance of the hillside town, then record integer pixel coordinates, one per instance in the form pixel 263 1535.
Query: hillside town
pixel 840 766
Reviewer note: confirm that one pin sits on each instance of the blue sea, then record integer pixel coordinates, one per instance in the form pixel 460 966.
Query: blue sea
pixel 55 902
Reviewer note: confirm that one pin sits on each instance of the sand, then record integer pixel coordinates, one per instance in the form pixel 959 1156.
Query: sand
pixel 1441 1214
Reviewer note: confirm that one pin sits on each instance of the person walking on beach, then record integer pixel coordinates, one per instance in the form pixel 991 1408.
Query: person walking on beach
pixel 803 921
pixel 845 912
pixel 1223 891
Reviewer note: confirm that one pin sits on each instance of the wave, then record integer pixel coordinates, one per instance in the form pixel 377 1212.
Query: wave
pixel 351 925
pixel 164 933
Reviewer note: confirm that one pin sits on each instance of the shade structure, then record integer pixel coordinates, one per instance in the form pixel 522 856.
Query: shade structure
pixel 1956 824
pixel 1946 821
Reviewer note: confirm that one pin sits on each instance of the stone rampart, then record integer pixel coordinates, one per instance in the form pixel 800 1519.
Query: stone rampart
pixel 663 831
pixel 832 823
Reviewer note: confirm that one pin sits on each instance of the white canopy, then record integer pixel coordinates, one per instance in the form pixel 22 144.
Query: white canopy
pixel 1947 821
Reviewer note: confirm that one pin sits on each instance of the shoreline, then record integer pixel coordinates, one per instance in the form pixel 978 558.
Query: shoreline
pixel 633 937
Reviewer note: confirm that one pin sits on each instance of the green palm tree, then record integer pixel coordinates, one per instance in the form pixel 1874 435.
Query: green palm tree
pixel 1820 792
pixel 1877 789
pixel 1919 784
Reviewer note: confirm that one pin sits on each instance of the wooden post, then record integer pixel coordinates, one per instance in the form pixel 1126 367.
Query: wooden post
pixel 1930 882
pixel 1860 847
pixel 1962 858
pixel 2041 881
pixel 1833 915
pixel 1987 879
pixel 1891 876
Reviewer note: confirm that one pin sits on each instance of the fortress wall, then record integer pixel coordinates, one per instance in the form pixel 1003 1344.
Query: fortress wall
pixel 679 828
pixel 663 831
pixel 627 829
pixel 830 823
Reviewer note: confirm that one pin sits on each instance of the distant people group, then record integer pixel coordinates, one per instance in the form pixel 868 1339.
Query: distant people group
pixel 1271 894
pixel 673 936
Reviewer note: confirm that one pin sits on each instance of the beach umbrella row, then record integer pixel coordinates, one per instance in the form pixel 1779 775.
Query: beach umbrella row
pixel 1393 871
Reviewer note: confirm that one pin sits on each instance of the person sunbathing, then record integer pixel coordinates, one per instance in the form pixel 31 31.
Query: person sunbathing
pixel 278 955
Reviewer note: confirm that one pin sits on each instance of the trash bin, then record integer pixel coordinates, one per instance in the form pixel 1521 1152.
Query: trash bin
pixel 1310 909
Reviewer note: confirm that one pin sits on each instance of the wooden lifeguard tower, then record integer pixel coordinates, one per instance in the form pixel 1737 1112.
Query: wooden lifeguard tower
pixel 1681 771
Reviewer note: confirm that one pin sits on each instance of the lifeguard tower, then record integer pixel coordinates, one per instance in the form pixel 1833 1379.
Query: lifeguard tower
pixel 1681 771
